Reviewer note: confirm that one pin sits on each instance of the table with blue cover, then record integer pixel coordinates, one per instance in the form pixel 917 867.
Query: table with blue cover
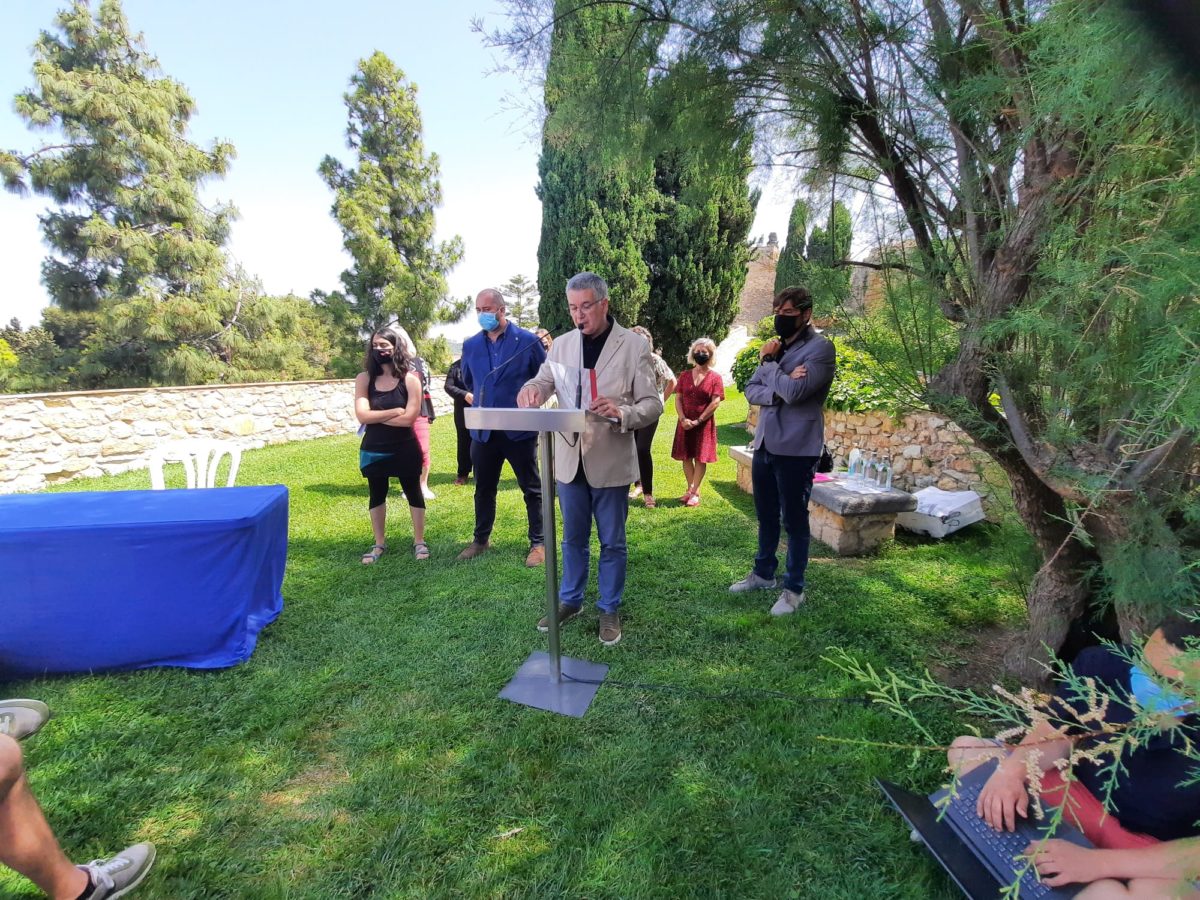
pixel 91 581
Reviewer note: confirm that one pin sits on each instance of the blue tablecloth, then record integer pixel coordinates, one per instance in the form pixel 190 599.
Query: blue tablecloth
pixel 129 579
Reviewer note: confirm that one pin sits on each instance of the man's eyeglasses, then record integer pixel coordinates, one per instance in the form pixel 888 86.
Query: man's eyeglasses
pixel 583 307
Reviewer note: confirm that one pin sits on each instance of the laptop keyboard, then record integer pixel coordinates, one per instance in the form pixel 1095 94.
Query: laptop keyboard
pixel 1004 847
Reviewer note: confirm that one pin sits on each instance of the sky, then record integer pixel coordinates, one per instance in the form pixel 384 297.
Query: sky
pixel 269 77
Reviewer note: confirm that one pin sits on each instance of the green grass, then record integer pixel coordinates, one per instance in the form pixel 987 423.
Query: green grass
pixel 363 752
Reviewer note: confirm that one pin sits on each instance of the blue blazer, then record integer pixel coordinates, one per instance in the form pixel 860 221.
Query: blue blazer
pixel 495 372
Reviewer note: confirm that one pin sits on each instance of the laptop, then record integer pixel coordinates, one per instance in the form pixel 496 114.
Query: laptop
pixel 982 862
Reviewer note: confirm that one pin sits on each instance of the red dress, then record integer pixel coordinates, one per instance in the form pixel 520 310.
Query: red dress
pixel 698 443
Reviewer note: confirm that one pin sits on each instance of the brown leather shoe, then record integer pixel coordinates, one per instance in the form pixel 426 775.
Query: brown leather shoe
pixel 536 557
pixel 610 628
pixel 474 549
pixel 565 615
pixel 460 480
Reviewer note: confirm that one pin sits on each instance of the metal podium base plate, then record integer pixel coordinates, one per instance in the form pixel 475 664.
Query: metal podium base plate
pixel 533 686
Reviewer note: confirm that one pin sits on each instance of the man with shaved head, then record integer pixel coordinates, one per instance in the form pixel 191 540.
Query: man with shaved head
pixel 496 362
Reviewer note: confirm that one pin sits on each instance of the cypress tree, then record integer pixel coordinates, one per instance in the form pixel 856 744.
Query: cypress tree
pixel 598 208
pixel 790 268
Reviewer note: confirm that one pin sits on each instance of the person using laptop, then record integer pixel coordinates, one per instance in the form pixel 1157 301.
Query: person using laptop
pixel 1145 836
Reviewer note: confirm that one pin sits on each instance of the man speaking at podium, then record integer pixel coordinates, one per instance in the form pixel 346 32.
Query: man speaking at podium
pixel 606 370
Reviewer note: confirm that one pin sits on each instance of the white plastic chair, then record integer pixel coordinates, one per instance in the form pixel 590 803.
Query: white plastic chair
pixel 200 458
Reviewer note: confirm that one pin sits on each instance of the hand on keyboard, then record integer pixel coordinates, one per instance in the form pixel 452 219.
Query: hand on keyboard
pixel 1060 862
pixel 1004 797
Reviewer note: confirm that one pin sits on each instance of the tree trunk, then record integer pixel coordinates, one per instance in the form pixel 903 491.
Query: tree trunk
pixel 1058 598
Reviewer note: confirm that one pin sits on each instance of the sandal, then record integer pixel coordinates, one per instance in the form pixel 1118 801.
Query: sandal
pixel 421 550
pixel 649 501
pixel 372 556
pixel 686 497
pixel 693 500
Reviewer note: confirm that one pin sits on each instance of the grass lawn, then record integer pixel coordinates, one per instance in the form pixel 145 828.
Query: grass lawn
pixel 363 752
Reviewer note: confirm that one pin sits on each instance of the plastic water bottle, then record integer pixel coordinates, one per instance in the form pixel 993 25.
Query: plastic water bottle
pixel 871 471
pixel 885 474
pixel 854 465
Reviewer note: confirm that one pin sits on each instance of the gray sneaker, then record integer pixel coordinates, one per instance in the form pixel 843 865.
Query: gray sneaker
pixel 120 874
pixel 788 602
pixel 21 718
pixel 754 582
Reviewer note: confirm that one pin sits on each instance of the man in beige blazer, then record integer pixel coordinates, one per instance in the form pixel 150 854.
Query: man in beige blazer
pixel 605 369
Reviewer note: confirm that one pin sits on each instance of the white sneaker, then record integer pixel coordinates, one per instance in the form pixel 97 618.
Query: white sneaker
pixel 753 582
pixel 428 494
pixel 118 875
pixel 21 718
pixel 788 602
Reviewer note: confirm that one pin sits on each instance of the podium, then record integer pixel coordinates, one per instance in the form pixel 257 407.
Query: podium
pixel 543 681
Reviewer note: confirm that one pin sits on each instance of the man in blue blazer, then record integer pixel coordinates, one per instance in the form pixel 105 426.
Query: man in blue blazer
pixel 790 386
pixel 496 362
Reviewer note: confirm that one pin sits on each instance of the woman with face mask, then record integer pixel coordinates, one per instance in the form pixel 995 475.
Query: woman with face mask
pixel 698 393
pixel 387 400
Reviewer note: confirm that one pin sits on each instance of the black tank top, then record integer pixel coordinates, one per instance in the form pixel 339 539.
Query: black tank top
pixel 379 436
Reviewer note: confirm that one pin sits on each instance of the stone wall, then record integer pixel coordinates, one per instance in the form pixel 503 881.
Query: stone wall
pixel 48 438
pixel 925 449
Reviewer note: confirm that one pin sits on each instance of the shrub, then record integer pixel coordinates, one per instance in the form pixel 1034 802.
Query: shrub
pixel 746 362
pixel 860 385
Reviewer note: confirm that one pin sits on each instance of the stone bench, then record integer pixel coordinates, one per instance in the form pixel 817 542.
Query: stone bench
pixel 852 523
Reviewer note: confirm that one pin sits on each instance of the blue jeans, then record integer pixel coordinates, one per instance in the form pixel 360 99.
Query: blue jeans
pixel 580 502
pixel 782 485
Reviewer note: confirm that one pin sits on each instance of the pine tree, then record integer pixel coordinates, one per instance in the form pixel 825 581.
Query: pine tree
pixel 385 205
pixel 140 286
pixel 521 296
pixel 124 173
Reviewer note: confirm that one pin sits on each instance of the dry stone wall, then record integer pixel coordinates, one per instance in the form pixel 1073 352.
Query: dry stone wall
pixel 925 449
pixel 49 438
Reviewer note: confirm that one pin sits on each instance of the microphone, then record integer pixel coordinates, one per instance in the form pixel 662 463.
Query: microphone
pixel 536 342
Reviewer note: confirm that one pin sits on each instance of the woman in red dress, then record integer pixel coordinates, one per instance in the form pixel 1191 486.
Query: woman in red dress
pixel 698 393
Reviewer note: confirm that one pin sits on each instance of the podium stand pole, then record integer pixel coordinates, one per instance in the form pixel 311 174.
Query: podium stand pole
pixel 550 535
pixel 564 685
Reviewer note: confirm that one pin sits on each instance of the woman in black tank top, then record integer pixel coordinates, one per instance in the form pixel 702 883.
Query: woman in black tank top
pixel 387 400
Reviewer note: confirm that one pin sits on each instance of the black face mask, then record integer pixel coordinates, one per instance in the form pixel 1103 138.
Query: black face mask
pixel 786 326
pixel 701 358
pixel 382 357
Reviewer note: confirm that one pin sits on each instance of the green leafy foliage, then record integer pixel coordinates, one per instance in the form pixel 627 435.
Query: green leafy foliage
pixel 746 362
pixel 385 202
pixel 860 384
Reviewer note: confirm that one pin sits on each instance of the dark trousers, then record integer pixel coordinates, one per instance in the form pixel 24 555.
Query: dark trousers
pixel 643 438
pixel 489 457
pixel 782 485
pixel 464 441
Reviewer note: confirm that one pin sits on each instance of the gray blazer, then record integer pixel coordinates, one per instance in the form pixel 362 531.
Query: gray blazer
pixel 792 419
pixel 624 373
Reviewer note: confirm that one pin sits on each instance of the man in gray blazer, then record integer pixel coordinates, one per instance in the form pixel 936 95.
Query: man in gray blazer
pixel 605 369
pixel 790 386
